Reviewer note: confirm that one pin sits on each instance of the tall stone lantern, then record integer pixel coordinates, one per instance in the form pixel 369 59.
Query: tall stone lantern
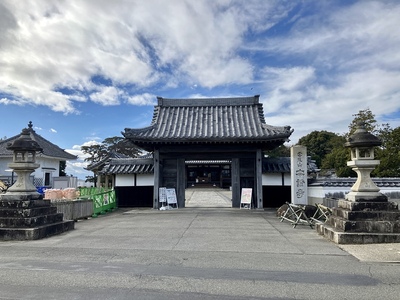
pixel 24 214
pixel 365 216
pixel 362 144
pixel 24 163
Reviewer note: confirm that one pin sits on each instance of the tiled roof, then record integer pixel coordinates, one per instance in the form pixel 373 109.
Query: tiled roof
pixel 49 149
pixel 208 162
pixel 282 165
pixel 215 120
pixel 145 165
pixel 128 166
pixel 276 165
pixel 349 182
pixel 101 163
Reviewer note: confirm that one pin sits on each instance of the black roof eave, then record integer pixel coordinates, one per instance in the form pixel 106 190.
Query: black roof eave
pixel 149 144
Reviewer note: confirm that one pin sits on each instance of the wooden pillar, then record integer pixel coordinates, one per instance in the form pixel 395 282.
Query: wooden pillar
pixel 235 174
pixel 106 182
pixel 113 181
pixel 156 155
pixel 98 183
pixel 180 182
pixel 258 181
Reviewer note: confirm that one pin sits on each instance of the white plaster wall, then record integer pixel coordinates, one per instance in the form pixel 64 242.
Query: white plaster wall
pixel 145 180
pixel 44 162
pixel 287 179
pixel 129 180
pixel 275 179
pixel 4 167
pixel 317 193
pixel 124 180
pixel 47 163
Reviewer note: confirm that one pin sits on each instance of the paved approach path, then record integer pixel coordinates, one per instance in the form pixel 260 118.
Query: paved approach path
pixel 191 253
pixel 208 197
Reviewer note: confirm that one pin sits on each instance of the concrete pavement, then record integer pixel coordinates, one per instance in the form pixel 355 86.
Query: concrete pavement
pixel 195 253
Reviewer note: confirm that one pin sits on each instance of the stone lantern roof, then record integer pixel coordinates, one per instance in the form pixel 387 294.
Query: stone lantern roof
pixel 24 143
pixel 362 138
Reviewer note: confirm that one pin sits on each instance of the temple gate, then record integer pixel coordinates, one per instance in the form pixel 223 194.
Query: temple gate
pixel 228 129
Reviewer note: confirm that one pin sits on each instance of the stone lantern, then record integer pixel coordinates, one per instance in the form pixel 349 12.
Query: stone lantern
pixel 365 216
pixel 24 163
pixel 362 144
pixel 24 214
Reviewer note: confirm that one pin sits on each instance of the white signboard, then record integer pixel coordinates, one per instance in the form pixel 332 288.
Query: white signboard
pixel 246 196
pixel 171 196
pixel 162 194
pixel 298 160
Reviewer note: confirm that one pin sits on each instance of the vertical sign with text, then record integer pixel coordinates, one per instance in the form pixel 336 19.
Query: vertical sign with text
pixel 298 160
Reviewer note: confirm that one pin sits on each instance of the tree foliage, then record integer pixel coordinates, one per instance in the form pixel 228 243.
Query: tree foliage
pixel 281 151
pixel 98 152
pixel 368 118
pixel 337 160
pixel 95 152
pixel 321 143
pixel 389 154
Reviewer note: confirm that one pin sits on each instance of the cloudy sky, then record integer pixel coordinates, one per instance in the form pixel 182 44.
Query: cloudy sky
pixel 83 71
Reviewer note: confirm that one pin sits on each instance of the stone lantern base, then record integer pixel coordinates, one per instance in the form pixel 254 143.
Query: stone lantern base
pixel 30 219
pixel 363 222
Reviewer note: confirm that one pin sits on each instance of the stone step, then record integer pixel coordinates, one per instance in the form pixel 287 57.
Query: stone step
pixel 367 215
pixel 367 206
pixel 7 234
pixel 31 222
pixel 370 226
pixel 24 203
pixel 340 237
pixel 27 212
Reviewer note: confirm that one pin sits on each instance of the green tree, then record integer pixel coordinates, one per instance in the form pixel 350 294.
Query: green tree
pixel 321 143
pixel 121 145
pixel 337 160
pixel 281 151
pixel 389 153
pixel 96 153
pixel 99 152
pixel 339 156
pixel 92 179
pixel 366 116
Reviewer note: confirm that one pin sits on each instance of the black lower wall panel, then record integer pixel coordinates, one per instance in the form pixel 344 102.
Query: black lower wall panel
pixel 276 196
pixel 134 196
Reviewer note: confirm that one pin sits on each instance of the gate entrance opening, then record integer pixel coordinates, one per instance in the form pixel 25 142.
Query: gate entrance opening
pixel 208 173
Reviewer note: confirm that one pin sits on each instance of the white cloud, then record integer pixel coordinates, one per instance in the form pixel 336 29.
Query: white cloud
pixel 322 107
pixel 77 167
pixel 322 68
pixel 347 60
pixel 53 130
pixel 54 45
pixel 106 95
pixel 143 99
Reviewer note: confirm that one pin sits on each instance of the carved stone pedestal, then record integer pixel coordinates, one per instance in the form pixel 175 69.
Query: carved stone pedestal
pixel 363 222
pixel 29 219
